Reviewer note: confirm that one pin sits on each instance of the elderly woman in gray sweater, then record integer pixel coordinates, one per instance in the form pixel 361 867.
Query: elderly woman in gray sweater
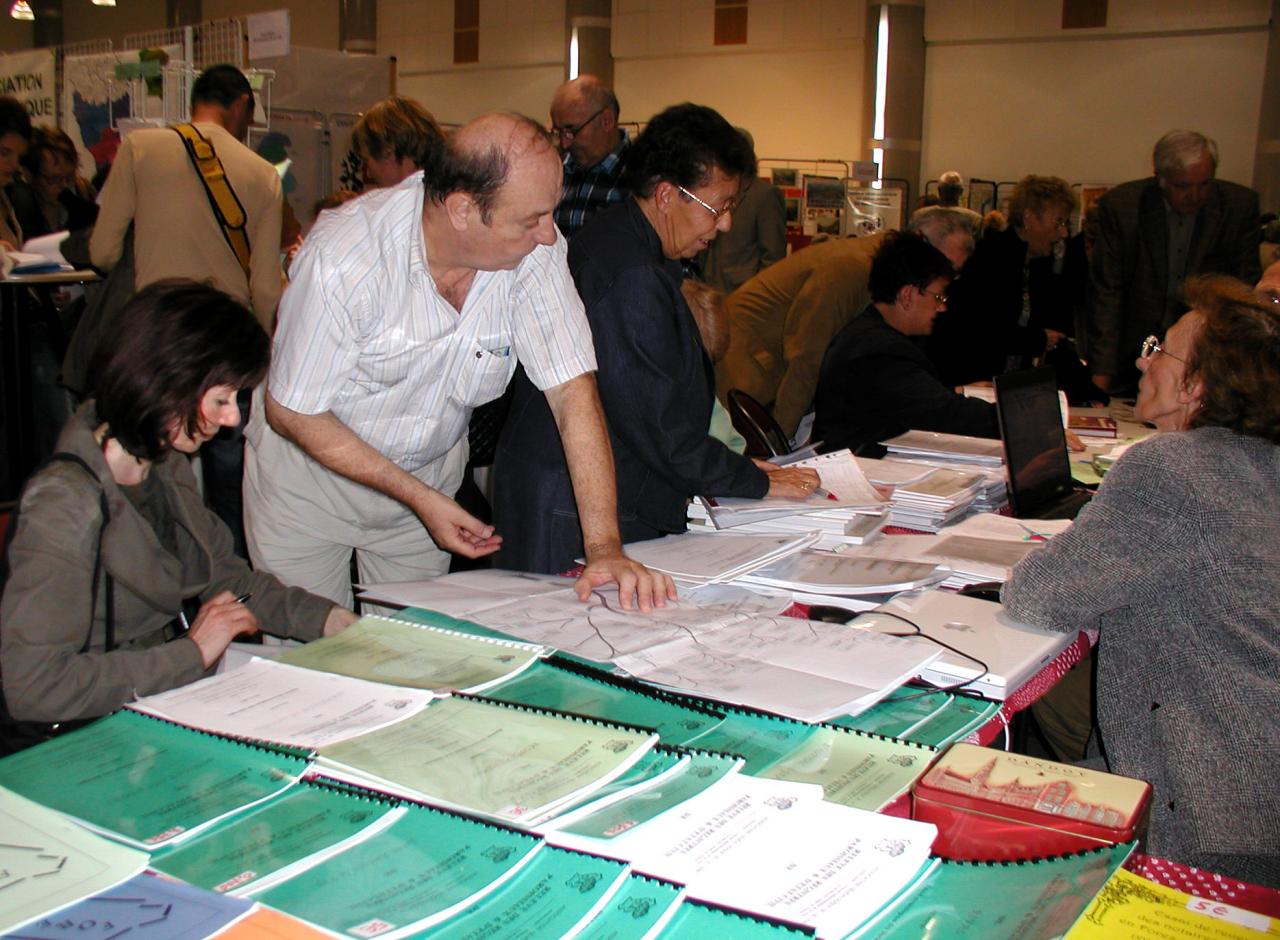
pixel 1176 562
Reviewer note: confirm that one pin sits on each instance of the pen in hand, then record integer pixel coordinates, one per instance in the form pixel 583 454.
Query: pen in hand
pixel 244 597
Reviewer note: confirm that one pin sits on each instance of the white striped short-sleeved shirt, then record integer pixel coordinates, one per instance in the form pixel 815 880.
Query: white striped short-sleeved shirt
pixel 364 333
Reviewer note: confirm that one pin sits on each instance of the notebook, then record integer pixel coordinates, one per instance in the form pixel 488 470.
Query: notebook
pixel 1035 447
pixel 1012 652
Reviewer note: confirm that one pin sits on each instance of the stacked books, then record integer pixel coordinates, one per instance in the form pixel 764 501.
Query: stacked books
pixel 957 448
pixel 1097 426
pixel 848 509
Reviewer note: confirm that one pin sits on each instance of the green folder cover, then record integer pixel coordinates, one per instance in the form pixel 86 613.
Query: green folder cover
pixel 550 896
pixel 506 762
pixel 308 819
pixel 690 778
pixel 146 781
pixel 641 904
pixel 996 900
pixel 696 920
pixel 658 761
pixel 397 652
pixel 423 868
pixel 757 738
pixel 854 768
pixel 591 692
pixel 933 718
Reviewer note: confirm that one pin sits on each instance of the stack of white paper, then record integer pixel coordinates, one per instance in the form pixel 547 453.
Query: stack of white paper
pixel 846 575
pixel 847 510
pixel 700 558
pixel 271 701
pixel 928 494
pixel 773 848
pixel 939 446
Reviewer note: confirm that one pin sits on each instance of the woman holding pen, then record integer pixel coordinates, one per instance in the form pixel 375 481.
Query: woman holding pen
pixel 111 539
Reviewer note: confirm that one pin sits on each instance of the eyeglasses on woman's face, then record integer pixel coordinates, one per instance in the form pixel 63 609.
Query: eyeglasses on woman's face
pixel 1152 345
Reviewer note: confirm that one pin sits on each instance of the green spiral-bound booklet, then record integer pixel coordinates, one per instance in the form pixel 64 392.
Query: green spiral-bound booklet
pixel 586 691
pixel 422 869
pixel 759 739
pixel 421 656
pixel 550 897
pixel 695 920
pixel 277 839
pixel 926 717
pixel 147 782
pixel 862 770
pixel 506 762
pixel 996 900
pixel 641 905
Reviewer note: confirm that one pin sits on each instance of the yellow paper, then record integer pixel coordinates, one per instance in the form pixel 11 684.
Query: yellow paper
pixel 1129 906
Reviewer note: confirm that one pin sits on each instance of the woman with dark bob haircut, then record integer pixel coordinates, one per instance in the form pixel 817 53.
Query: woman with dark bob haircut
pixel 112 538
pixel 1176 563
pixel 684 174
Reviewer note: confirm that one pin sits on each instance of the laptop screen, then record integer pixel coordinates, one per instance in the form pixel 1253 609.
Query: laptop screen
pixel 1035 445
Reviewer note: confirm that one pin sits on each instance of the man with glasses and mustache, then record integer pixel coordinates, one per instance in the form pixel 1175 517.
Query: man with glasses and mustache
pixel 1155 232
pixel 584 121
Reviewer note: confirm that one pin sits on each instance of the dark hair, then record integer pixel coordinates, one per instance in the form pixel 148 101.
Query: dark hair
pixel 52 141
pixel 14 118
pixel 401 126
pixel 170 343
pixel 905 259
pixel 1236 357
pixel 221 85
pixel 477 171
pixel 682 145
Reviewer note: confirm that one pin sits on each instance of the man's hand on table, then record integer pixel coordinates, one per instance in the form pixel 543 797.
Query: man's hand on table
pixel 636 583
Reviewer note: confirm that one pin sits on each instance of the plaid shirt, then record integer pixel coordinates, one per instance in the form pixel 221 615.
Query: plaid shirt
pixel 588 190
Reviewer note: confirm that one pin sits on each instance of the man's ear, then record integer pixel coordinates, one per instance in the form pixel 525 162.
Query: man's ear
pixel 608 120
pixel 906 295
pixel 663 193
pixel 461 210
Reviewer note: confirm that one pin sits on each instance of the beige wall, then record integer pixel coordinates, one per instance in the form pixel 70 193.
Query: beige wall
pixel 796 84
pixel 522 56
pixel 1009 93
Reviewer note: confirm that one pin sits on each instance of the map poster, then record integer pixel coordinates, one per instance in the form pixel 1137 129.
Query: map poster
pixel 29 77
pixel 93 100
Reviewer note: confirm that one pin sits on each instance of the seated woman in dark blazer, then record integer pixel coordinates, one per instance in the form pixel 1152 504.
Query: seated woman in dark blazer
pixel 684 174
pixel 1175 562
pixel 112 537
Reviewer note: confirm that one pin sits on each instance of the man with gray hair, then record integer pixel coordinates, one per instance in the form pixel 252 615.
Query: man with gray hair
pixel 584 120
pixel 1154 233
pixel 409 307
pixel 783 319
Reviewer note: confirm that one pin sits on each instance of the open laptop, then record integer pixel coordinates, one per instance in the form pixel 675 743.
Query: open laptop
pixel 1035 447
pixel 1012 652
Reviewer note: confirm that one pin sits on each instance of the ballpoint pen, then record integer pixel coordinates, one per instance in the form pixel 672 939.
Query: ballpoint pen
pixel 244 597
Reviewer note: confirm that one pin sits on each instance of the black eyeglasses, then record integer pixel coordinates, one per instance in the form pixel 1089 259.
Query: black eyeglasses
pixel 563 132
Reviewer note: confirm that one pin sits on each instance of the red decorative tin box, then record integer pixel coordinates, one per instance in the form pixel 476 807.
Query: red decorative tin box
pixel 992 805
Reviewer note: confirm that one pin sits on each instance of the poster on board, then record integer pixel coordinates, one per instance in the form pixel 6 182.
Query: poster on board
pixel 30 77
pixel 872 210
pixel 93 100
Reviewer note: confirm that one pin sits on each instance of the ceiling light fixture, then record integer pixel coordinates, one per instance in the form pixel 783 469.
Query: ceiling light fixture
pixel 21 10
pixel 104 3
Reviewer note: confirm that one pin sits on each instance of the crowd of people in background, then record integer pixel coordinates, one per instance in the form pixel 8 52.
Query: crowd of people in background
pixel 615 289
